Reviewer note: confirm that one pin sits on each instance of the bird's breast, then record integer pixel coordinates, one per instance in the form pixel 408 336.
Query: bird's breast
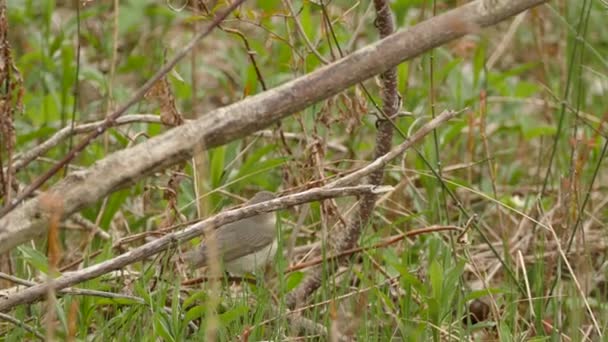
pixel 254 261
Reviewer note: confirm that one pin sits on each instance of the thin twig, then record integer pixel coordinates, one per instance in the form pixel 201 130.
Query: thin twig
pixel 22 325
pixel 302 33
pixel 385 243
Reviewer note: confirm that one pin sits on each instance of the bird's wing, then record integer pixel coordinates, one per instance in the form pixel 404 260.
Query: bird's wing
pixel 236 242
pixel 233 242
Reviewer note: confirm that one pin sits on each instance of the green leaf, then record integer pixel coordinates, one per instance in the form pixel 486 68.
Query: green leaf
pixel 482 293
pixel 411 280
pixel 497 79
pixel 451 282
pixel 525 89
pixel 259 174
pixel 253 159
pixel 452 134
pixel 196 297
pixel 35 258
pixel 479 61
pixel 539 338
pixel 443 72
pixel 196 312
pixel 176 311
pixel 504 332
pixel 434 309
pixel 216 165
pixel 306 21
pixel 161 327
pixel 269 5
pixel 36 134
pixel 56 43
pixel 293 280
pixel 401 8
pixel 436 277
pixel 113 205
pixel 68 72
pixel 48 107
pixel 251 83
pixel 115 301
pixel 120 137
pixel 233 314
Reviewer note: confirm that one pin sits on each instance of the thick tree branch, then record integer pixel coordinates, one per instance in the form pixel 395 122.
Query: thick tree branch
pixel 252 114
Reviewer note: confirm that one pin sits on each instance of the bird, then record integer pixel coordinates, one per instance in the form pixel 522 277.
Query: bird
pixel 244 246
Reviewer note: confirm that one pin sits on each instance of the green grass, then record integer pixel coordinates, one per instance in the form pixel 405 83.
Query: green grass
pixel 545 109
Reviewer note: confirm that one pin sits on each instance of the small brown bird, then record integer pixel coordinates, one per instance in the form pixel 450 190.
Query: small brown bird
pixel 244 246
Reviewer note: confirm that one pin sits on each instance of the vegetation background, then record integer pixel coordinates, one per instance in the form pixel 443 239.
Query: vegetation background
pixel 525 157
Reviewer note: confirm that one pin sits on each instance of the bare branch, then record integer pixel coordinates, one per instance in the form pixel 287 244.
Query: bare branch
pixel 26 157
pixel 173 239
